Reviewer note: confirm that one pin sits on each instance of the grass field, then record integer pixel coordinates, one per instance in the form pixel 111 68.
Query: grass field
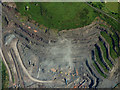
pixel 105 54
pixel 67 15
pixel 109 41
pixel 58 15
pixel 112 6
pixel 99 61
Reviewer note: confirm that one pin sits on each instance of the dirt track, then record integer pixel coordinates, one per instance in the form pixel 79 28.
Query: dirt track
pixel 14 46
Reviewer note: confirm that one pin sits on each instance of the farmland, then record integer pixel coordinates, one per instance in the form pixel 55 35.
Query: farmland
pixel 58 15
pixel 114 7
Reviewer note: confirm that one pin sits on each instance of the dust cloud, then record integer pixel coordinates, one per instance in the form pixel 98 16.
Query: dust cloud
pixel 59 55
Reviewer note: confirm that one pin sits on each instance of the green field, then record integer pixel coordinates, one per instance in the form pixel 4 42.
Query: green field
pixel 112 9
pixel 105 54
pixel 58 15
pixel 99 61
pixel 109 41
pixel 67 15
pixel 112 6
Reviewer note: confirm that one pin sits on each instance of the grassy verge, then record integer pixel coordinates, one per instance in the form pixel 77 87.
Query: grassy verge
pixel 58 15
pixel 99 71
pixel 109 41
pixel 5 77
pixel 116 42
pixel 99 61
pixel 105 26
pixel 13 77
pixel 105 54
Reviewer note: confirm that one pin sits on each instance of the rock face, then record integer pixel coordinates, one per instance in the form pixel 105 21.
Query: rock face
pixel 61 56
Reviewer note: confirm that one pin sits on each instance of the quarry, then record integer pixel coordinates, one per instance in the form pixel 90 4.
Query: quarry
pixel 42 58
